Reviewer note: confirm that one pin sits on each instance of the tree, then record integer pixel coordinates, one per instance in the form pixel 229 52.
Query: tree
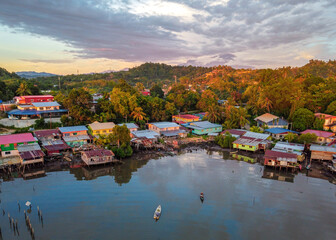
pixel 303 119
pixel 256 129
pixel 318 123
pixel 291 137
pixel 213 113
pixel 208 98
pixel 331 109
pixel 307 138
pixel 138 114
pixel 23 89
pixel 121 135
pixel 156 91
pixel 139 86
pixel 225 141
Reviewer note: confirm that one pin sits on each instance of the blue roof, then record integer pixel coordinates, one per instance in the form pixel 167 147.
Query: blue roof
pixel 34 112
pixel 73 129
pixel 279 130
pixel 279 122
pixel 129 125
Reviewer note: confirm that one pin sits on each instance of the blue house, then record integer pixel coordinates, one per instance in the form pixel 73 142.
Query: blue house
pixel 271 121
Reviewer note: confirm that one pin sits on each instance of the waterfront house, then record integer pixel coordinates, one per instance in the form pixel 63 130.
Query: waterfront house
pixel 323 137
pixel 289 148
pixel 55 147
pixel 75 136
pixel 280 159
pixel 131 126
pixel 279 133
pixel 97 128
pixel 329 121
pixel 185 118
pixel 97 156
pixel 30 153
pixel 9 143
pixel 200 115
pixel 203 128
pixel 252 142
pixel 33 99
pixel 167 129
pixel 148 134
pixel 322 153
pixel 271 121
pixel 237 133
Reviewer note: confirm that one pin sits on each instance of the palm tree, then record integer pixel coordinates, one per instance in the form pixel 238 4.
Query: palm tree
pixel 138 114
pixel 213 114
pixel 23 89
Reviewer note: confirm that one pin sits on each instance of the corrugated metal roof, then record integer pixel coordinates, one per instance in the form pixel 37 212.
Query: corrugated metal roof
pixel 46 104
pixel 34 112
pixel 164 124
pixel 28 147
pixel 280 156
pixel 100 126
pixel 319 133
pixel 57 147
pixel 146 133
pixel 129 125
pixel 249 141
pixel 98 153
pixel 47 133
pixel 205 124
pixel 16 138
pixel 289 147
pixel 322 148
pixel 76 138
pixel 186 116
pixel 37 96
pixel 172 133
pixel 256 135
pixel 52 142
pixel 73 129
pixel 31 154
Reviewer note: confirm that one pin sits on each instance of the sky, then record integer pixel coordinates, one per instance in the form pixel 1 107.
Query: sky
pixel 83 36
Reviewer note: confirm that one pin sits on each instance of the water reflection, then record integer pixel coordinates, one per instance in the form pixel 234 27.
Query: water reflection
pixel 278 175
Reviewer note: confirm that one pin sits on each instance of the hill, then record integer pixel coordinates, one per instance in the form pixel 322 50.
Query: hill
pixel 32 74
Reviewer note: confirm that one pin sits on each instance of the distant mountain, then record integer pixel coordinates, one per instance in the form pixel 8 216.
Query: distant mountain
pixel 32 74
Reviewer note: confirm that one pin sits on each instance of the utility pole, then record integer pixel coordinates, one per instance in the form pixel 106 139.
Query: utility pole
pixel 59 82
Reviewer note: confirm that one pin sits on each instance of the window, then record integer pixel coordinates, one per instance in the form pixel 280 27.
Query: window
pixel 74 134
pixel 110 130
pixel 7 153
pixel 243 145
pixel 104 131
pixel 66 134
pixel 250 146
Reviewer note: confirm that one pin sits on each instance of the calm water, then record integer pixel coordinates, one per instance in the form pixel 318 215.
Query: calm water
pixel 242 201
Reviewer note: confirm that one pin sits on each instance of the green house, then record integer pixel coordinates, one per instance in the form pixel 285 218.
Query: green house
pixel 203 127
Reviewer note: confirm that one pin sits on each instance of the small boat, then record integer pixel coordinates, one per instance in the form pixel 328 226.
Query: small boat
pixel 202 197
pixel 157 213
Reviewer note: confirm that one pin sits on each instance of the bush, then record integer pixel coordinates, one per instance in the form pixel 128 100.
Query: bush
pixel 225 141
pixel 125 150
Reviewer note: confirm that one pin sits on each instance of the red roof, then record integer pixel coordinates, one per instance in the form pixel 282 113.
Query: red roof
pixel 275 154
pixel 47 133
pixel 56 147
pixel 17 138
pixel 145 93
pixel 180 122
pixel 31 154
pixel 38 96
pixel 98 152
pixel 235 132
pixel 319 133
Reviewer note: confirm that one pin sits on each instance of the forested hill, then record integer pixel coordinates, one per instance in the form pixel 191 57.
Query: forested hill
pixel 5 75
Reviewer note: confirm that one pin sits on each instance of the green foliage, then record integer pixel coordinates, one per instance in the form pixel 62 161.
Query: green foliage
pixel 256 129
pixel 303 119
pixel 156 91
pixel 331 109
pixel 42 124
pixel 318 124
pixel 307 138
pixel 291 137
pixel 125 150
pixel 205 137
pixel 120 135
pixel 225 141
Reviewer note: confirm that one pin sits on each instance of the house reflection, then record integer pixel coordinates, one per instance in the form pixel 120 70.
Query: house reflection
pixel 278 175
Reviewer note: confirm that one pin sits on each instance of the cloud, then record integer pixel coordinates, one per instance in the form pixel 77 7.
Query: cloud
pixel 218 32
pixel 47 60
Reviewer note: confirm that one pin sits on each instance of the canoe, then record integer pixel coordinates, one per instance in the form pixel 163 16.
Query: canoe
pixel 157 213
pixel 202 197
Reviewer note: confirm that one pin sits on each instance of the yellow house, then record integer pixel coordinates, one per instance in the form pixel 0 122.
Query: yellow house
pixel 98 128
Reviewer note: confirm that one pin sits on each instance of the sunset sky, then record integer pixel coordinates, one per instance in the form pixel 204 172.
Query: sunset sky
pixel 66 36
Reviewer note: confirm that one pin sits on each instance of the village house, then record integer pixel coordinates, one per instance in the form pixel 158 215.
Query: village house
pixel 148 134
pixel 9 143
pixel 329 121
pixel 322 153
pixel 146 93
pixel 75 136
pixel 204 128
pixel 185 118
pixel 97 128
pixel 131 126
pixel 48 134
pixel 30 153
pixel 32 99
pixel 289 148
pixel 323 137
pixel 279 133
pixel 280 159
pixel 97 157
pixel 37 110
pixel 271 121
pixel 252 142
pixel 51 141
pixel 167 129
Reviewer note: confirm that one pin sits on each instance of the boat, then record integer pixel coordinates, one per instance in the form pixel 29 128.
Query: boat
pixel 202 197
pixel 157 213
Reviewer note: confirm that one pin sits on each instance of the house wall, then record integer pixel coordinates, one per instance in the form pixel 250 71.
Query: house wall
pixel 76 143
pixel 207 130
pixel 101 131
pixel 245 147
pixel 69 134
pixel 11 149
pixel 322 140
pixel 159 130
pixel 179 118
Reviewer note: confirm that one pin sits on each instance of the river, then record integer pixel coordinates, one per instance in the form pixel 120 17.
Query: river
pixel 242 201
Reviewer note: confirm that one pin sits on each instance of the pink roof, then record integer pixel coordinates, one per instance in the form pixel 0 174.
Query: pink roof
pixel 38 96
pixel 187 116
pixel 17 138
pixel 323 115
pixel 319 133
